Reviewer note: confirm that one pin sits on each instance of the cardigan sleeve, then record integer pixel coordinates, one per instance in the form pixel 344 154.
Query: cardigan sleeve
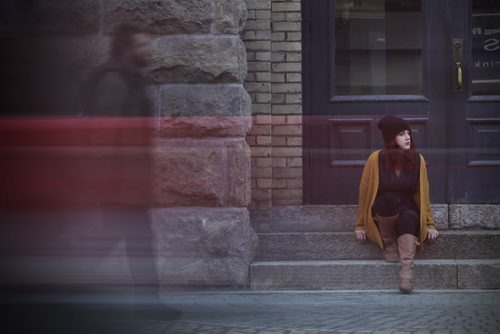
pixel 362 199
pixel 429 221
pixel 368 172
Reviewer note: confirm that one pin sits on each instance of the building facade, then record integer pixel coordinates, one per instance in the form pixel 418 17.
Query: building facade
pixel 267 109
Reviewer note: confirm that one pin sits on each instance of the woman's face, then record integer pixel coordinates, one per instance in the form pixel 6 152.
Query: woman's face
pixel 403 139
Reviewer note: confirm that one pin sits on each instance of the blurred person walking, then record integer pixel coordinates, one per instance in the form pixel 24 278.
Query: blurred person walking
pixel 114 99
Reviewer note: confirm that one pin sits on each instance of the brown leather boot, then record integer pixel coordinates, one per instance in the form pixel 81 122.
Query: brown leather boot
pixel 387 228
pixel 407 244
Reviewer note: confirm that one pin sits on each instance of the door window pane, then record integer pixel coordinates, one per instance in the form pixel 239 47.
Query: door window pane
pixel 378 47
pixel 485 72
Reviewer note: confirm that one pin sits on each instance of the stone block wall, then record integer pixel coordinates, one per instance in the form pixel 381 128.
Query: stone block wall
pixel 202 160
pixel 273 41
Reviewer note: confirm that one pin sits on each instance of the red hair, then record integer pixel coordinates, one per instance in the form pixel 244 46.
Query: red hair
pixel 396 158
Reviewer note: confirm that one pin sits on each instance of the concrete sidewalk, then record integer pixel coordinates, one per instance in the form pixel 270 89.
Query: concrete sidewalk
pixel 292 312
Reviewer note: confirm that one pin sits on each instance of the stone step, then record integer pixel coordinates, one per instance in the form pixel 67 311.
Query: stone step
pixel 373 274
pixel 330 218
pixel 465 244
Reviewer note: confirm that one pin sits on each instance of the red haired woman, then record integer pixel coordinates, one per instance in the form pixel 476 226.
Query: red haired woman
pixel 394 207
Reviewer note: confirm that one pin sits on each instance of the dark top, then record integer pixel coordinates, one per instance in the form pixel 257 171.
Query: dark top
pixel 122 173
pixel 403 186
pixel 115 90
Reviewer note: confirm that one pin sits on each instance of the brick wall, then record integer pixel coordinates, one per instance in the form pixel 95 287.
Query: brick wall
pixel 273 41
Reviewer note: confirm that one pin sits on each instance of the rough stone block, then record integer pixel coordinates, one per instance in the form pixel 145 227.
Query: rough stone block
pixel 470 216
pixel 192 247
pixel 204 111
pixel 325 218
pixel 450 244
pixel 198 172
pixel 343 246
pixel 203 246
pixel 160 17
pixel 238 155
pixel 230 16
pixel 205 100
pixel 205 126
pixel 211 59
pixel 323 275
pixel 479 274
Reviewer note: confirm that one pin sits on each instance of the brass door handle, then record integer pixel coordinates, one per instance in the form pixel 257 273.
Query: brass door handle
pixel 459 75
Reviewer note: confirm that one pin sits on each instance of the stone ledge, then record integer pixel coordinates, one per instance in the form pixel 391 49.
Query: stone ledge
pixel 343 246
pixel 160 17
pixel 324 218
pixel 215 245
pixel 479 274
pixel 204 100
pixel 204 127
pixel 230 16
pixel 198 59
pixel 201 172
pixel 323 275
pixel 473 216
pixel 202 247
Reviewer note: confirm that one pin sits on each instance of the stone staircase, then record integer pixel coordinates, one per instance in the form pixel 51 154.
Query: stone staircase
pixel 313 247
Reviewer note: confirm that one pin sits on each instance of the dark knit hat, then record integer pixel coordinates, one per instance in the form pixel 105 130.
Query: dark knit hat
pixel 391 126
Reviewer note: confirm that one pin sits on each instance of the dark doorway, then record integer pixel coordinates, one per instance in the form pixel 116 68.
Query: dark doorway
pixel 434 63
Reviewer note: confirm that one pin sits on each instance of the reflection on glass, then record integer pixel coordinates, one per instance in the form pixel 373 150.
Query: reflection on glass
pixel 485 73
pixel 378 47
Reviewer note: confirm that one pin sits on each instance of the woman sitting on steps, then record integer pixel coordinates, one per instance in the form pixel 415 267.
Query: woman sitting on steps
pixel 394 207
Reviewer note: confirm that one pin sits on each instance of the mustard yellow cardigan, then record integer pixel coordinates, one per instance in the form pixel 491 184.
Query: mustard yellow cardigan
pixel 368 190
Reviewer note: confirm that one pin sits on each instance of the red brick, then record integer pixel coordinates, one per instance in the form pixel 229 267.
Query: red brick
pixel 261 194
pixel 294 183
pixel 261 151
pixel 287 130
pixel 294 141
pixel 263 162
pixel 287 151
pixel 290 201
pixel 286 194
pixel 262 204
pixel 277 98
pixel 260 130
pixel 293 119
pixel 294 162
pixel 289 172
pixel 277 120
pixel 262 119
pixel 278 162
pixel 263 140
pixel 264 183
pixel 278 141
pixel 279 183
pixel 261 172
pixel 287 109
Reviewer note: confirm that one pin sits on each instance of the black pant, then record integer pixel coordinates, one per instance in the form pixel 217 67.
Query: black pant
pixel 132 224
pixel 391 204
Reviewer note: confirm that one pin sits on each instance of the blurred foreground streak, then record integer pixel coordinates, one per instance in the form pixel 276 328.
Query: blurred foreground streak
pixel 73 188
pixel 58 171
pixel 61 176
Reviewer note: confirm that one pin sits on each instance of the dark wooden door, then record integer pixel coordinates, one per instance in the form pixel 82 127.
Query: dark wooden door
pixel 474 107
pixel 366 59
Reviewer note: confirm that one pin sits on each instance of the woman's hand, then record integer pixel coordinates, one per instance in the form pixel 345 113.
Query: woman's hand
pixel 360 235
pixel 432 234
